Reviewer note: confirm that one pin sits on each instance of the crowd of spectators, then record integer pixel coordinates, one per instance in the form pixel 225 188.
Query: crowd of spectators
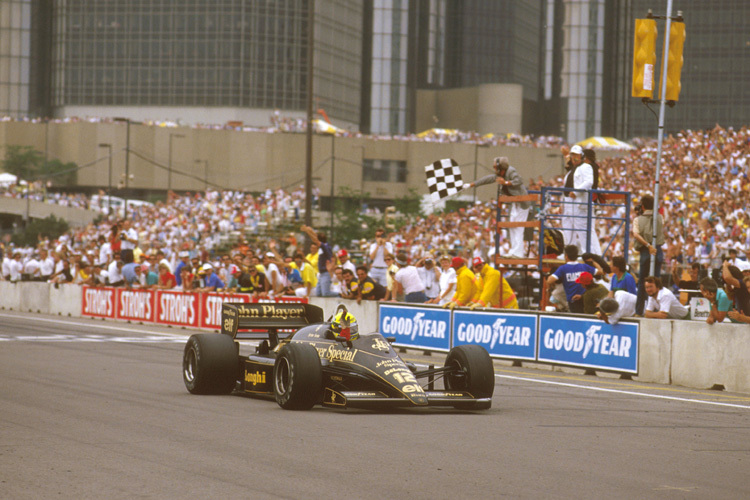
pixel 703 195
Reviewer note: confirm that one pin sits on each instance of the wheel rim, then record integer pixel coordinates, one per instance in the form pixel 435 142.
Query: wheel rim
pixel 457 380
pixel 282 376
pixel 190 365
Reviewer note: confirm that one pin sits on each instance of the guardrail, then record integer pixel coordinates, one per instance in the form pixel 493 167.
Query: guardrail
pixel 686 353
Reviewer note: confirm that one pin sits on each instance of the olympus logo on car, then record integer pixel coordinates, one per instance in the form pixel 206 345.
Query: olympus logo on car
pixel 587 343
pixel 417 326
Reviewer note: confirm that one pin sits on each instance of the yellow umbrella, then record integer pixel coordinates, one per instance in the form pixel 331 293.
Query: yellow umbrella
pixel 598 142
pixel 437 131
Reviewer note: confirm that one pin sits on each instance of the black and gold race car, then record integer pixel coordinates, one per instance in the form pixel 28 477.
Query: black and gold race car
pixel 302 361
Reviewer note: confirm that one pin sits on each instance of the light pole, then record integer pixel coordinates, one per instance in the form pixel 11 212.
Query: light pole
pixel 205 173
pixel 476 164
pixel 127 164
pixel 109 179
pixel 169 167
pixel 333 171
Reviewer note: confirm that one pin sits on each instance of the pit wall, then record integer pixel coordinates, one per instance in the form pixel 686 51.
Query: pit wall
pixel 685 353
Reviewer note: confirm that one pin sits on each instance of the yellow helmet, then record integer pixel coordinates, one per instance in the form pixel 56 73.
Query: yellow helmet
pixel 344 324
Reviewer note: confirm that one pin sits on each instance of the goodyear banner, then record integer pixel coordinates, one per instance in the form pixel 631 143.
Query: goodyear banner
pixel 417 327
pixel 501 334
pixel 588 343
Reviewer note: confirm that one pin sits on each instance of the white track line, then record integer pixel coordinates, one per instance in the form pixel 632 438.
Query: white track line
pixel 620 391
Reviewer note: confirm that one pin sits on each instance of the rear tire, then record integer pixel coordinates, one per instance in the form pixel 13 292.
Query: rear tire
pixel 298 377
pixel 209 364
pixel 474 374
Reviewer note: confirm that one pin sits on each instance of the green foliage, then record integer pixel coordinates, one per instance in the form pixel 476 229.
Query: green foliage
pixel 59 173
pixel 409 205
pixel 350 223
pixel 28 164
pixel 454 205
pixel 50 227
pixel 22 161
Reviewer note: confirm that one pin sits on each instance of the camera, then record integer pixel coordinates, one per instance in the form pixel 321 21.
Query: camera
pixel 639 209
pixel 122 236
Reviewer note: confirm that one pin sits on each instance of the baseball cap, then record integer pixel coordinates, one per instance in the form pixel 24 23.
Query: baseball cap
pixel 206 267
pixel 401 261
pixel 343 253
pixel 270 255
pixel 184 253
pixel 576 150
pixel 477 262
pixel 457 262
pixel 585 279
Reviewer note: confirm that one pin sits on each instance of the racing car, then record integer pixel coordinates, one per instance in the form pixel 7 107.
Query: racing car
pixel 302 361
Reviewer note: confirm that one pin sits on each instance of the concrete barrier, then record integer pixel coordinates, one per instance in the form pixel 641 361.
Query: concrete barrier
pixel 685 353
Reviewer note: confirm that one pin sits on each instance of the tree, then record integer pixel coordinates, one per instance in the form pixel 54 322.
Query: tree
pixel 22 161
pixel 409 205
pixel 351 224
pixel 59 173
pixel 51 227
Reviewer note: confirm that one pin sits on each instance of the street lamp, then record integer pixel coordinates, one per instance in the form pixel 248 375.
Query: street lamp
pixel 333 171
pixel 205 173
pixel 169 175
pixel 109 179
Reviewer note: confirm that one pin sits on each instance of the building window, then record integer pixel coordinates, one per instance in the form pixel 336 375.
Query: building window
pixel 384 171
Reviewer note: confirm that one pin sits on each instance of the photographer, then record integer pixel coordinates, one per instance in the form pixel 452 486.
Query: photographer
pixel 378 253
pixel 643 232
pixel 128 241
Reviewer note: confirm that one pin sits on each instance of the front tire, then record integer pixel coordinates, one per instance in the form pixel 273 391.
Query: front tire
pixel 209 364
pixel 297 377
pixel 473 373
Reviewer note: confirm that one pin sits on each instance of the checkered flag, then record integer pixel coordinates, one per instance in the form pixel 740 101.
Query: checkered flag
pixel 443 179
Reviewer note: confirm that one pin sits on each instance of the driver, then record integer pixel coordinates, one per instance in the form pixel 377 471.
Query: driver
pixel 344 325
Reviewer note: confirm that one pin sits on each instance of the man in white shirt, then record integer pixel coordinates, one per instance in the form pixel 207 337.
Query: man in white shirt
pixel 661 302
pixel 15 267
pixel 114 272
pixel 343 256
pixel 46 265
pixel 430 274
pixel 611 310
pixel 377 253
pixel 275 277
pixel 580 176
pixel 129 240
pixel 31 269
pixel 408 282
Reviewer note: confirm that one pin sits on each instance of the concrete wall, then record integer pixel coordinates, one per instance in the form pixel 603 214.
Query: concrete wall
pixel 255 161
pixel 490 108
pixel 685 353
pixel 76 217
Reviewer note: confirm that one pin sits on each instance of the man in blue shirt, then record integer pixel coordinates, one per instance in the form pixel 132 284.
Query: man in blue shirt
pixel 567 274
pixel 211 282
pixel 621 279
pixel 325 262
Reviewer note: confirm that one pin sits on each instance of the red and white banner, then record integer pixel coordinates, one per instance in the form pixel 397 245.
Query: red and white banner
pixel 167 307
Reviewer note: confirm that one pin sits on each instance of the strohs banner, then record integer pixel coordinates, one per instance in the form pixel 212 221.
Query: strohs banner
pixel 555 339
pixel 168 307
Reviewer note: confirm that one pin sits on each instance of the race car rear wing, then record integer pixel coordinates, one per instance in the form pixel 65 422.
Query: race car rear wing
pixel 260 321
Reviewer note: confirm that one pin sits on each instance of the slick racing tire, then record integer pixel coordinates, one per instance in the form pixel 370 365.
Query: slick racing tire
pixel 209 364
pixel 473 373
pixel 297 377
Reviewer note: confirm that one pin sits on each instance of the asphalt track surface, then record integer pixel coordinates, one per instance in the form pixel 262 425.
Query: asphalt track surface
pixel 93 409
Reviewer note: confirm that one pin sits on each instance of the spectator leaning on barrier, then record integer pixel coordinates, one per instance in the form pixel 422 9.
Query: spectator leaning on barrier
pixel 210 282
pixel 349 286
pixel 612 309
pixel 593 294
pixel 447 281
pixel 465 288
pixel 491 291
pixel 717 298
pixel 662 303
pixel 307 272
pixel 567 274
pixel 368 288
pixel 736 290
pixel 344 260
